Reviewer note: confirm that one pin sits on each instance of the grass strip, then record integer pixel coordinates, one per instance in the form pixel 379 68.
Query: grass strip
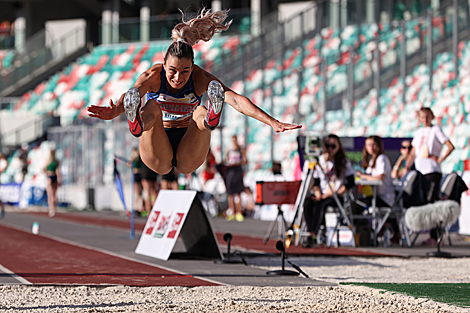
pixel 453 294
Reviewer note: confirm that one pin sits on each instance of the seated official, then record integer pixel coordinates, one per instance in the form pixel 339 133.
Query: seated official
pixel 377 167
pixel 398 170
pixel 337 176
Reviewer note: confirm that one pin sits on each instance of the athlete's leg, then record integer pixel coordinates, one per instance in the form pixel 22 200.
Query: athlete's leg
pixel 146 186
pixel 230 212
pixel 51 200
pixel 194 146
pixel 54 192
pixel 138 197
pixel 155 148
pixel 2 210
pixel 238 207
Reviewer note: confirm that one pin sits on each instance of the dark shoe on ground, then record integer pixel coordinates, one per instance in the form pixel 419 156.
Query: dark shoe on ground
pixel 132 104
pixel 216 96
pixel 310 242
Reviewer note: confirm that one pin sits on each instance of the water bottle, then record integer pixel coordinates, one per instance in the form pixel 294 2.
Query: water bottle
pixel 387 238
pixel 35 228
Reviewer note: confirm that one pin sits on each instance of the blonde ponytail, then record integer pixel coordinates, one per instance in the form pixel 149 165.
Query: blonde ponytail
pixel 202 27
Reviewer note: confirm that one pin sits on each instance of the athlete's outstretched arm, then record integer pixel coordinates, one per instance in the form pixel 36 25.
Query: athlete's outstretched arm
pixel 244 105
pixel 144 84
pixel 240 103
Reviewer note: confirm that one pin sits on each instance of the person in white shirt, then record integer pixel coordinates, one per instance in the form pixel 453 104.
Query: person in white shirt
pixel 426 152
pixel 338 173
pixel 377 167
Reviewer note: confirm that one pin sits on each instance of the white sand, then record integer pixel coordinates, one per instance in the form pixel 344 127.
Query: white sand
pixel 21 298
pixel 378 270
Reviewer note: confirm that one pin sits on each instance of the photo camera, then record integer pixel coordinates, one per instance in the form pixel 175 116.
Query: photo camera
pixel 311 145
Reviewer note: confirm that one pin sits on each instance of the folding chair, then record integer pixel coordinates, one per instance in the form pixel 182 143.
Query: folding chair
pixel 448 184
pixel 408 183
pixel 397 210
pixel 344 217
pixel 451 188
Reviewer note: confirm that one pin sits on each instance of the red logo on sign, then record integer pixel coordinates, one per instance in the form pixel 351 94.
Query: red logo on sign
pixel 175 225
pixel 152 221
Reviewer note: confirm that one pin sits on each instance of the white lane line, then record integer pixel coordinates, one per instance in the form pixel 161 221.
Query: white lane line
pixel 15 276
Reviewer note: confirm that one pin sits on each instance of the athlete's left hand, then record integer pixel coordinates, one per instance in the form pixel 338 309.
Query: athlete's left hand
pixel 280 127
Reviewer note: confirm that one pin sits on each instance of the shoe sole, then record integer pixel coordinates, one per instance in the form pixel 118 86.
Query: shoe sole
pixel 216 94
pixel 131 103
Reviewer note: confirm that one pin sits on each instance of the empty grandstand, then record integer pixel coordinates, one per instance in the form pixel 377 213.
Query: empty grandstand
pixel 317 66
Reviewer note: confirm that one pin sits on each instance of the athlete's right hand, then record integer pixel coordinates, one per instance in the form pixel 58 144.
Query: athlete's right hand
pixel 101 112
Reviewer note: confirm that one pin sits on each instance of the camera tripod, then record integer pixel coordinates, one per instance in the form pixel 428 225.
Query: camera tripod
pixel 296 230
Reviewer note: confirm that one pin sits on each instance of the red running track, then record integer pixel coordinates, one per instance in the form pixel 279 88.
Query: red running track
pixel 41 260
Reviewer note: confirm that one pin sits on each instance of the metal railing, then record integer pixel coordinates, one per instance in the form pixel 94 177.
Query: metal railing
pixel 29 131
pixel 160 26
pixel 37 55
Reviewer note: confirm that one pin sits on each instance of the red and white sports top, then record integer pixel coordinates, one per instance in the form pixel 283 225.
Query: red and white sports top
pixel 176 107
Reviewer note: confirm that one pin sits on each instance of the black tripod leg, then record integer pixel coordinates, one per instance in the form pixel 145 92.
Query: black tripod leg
pixel 270 230
pixel 281 226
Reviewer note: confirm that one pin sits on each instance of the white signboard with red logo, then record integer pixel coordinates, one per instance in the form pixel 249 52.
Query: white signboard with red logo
pixel 169 219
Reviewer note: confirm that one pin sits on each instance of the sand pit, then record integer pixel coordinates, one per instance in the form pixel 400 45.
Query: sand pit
pixel 24 298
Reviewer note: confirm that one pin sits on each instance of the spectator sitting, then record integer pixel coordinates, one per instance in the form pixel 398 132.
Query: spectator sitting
pixel 377 167
pixel 398 170
pixel 334 174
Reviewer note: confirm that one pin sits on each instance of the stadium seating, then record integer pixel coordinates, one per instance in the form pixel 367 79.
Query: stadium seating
pixel 391 117
pixel 6 59
pixel 108 70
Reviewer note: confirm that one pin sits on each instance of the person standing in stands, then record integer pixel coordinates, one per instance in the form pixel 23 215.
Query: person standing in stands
pixel 398 170
pixel 54 180
pixel 174 128
pixel 333 173
pixel 235 159
pixel 426 154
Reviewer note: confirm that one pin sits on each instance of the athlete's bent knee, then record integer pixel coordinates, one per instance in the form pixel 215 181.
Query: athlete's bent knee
pixel 153 108
pixel 156 165
pixel 185 169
